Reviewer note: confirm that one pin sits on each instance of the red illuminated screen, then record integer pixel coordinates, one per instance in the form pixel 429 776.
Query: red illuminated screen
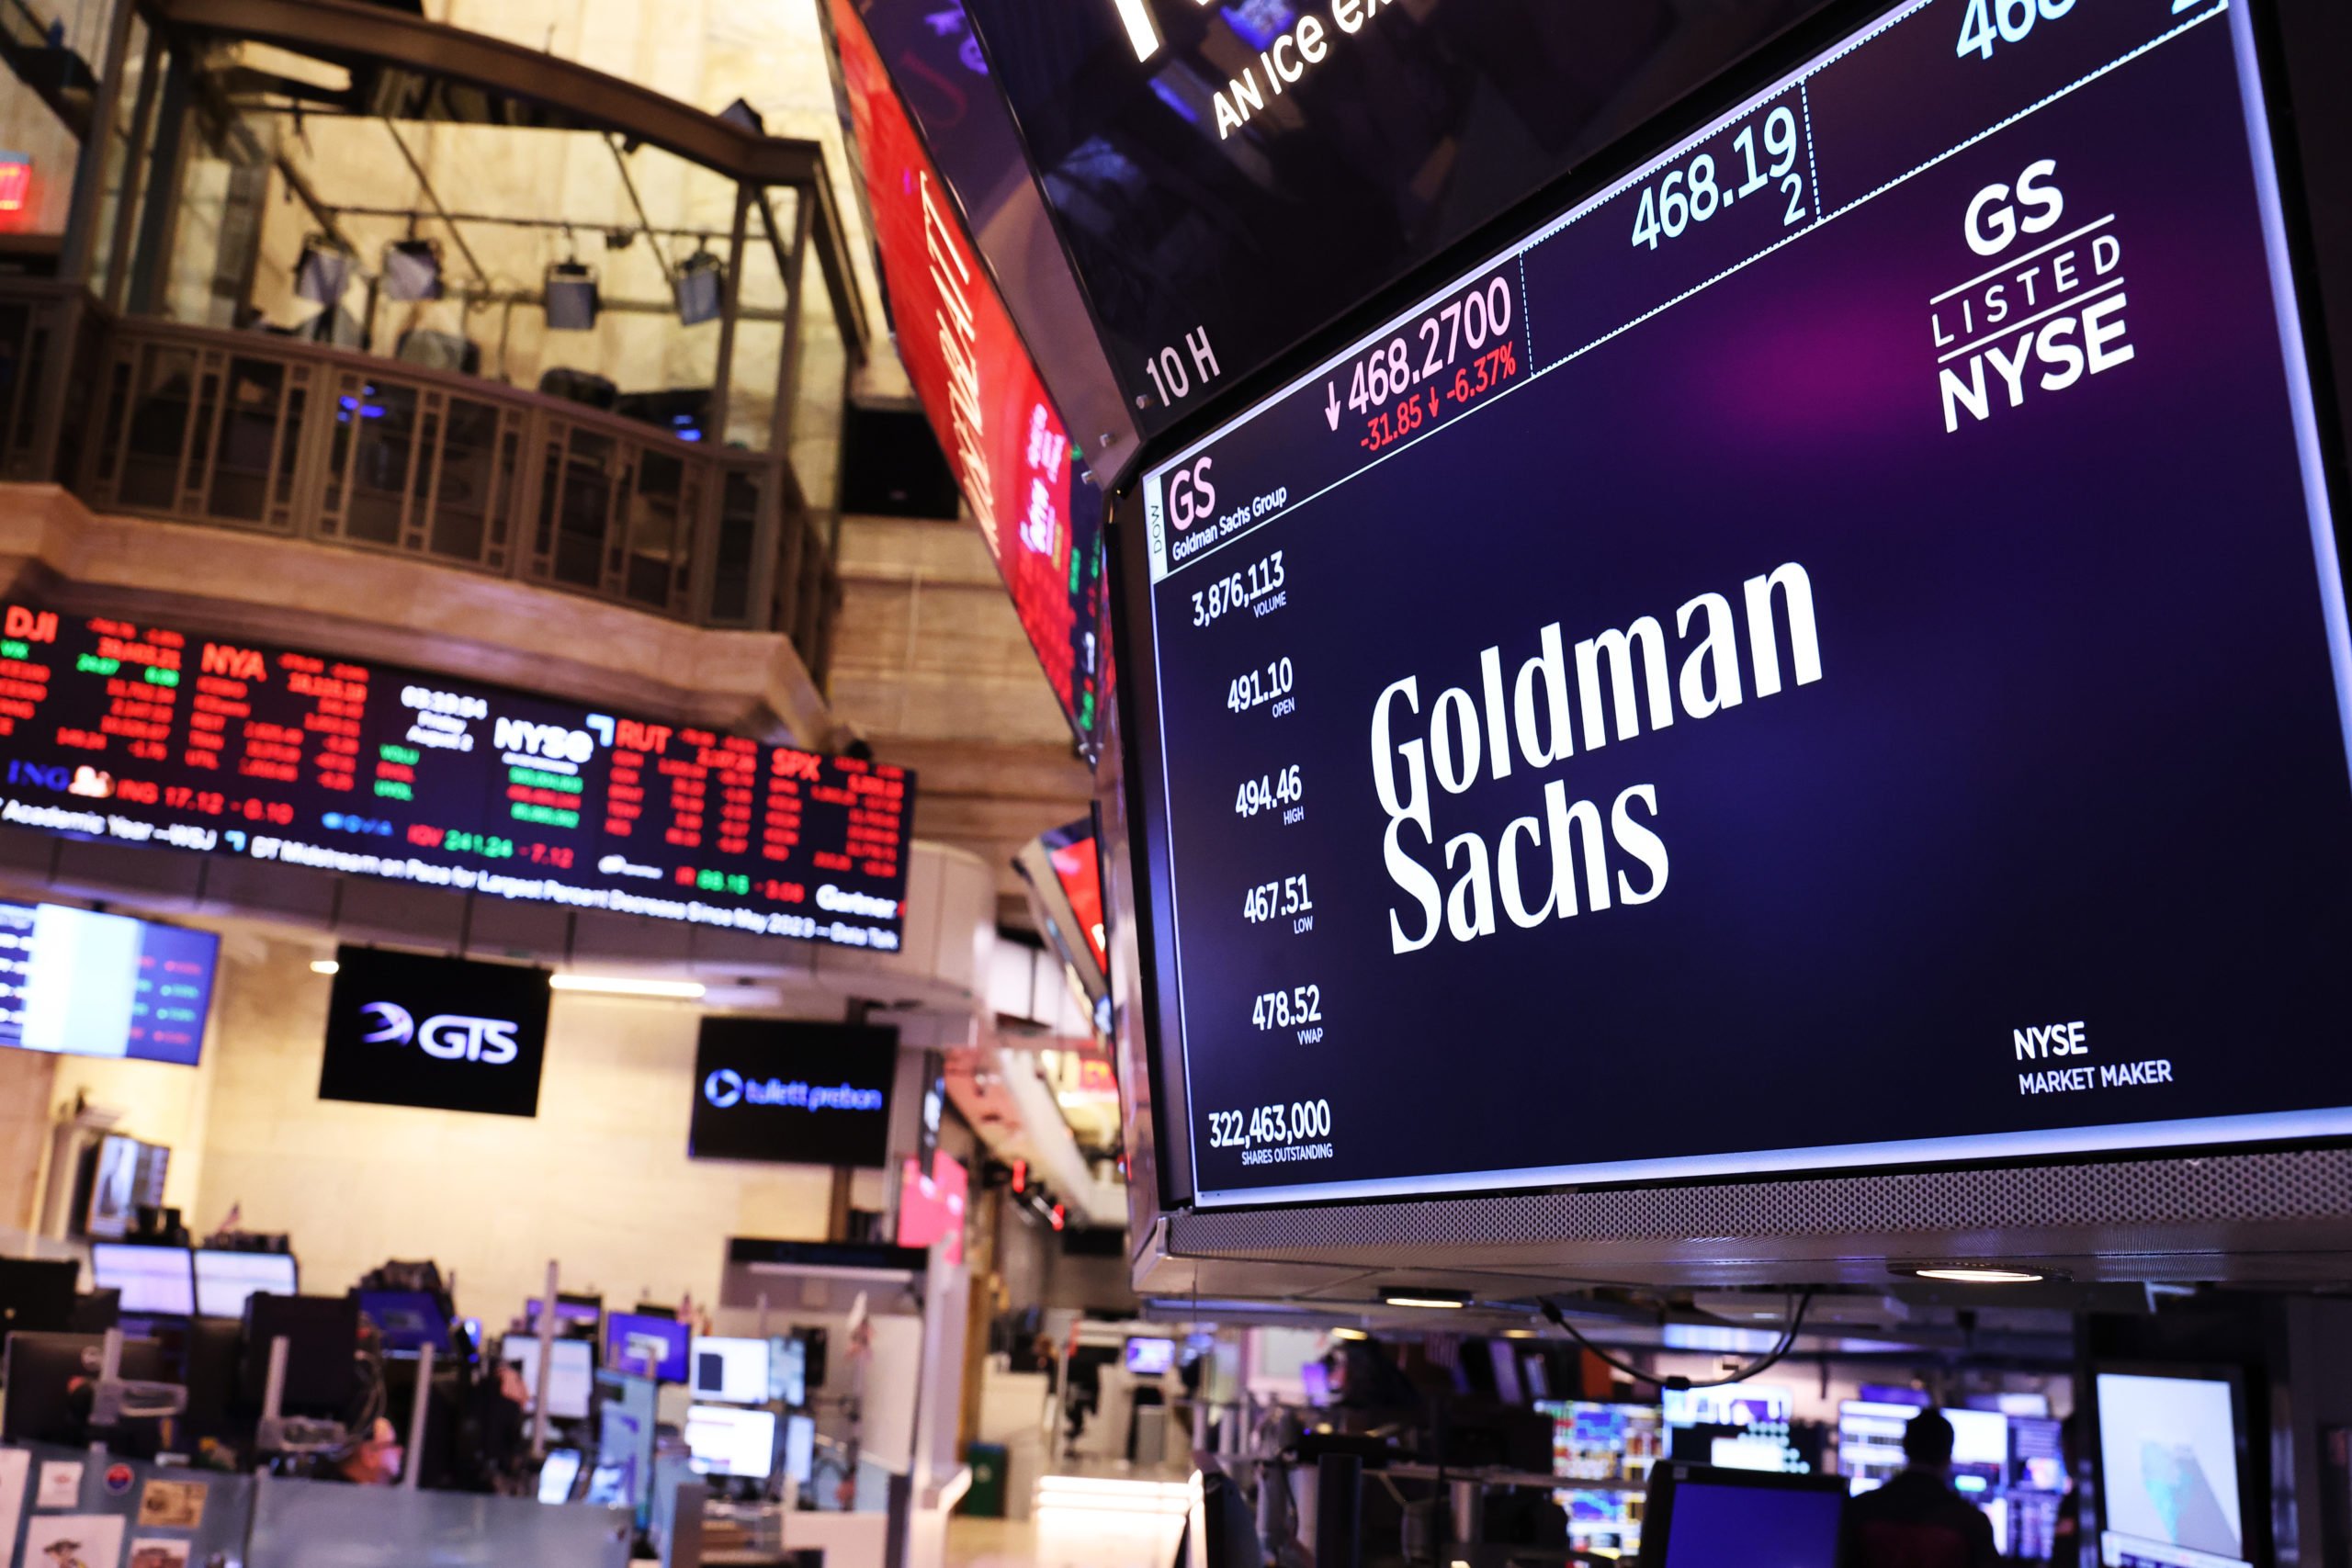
pixel 1011 454
pixel 928 1209
pixel 16 183
pixel 1079 871
pixel 141 734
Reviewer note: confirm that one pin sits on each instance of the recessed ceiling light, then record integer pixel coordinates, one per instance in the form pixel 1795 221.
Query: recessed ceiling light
pixel 1433 1299
pixel 1350 1334
pixel 324 966
pixel 1980 1276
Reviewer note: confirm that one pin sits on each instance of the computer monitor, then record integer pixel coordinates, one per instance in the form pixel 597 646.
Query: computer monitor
pixel 407 1320
pixel 728 1441
pixel 158 1281
pixel 223 1279
pixel 799 1449
pixel 37 1295
pixel 1503 1356
pixel 558 1476
pixel 2169 1486
pixel 36 1404
pixel 788 1371
pixel 1150 1358
pixel 322 1335
pixel 572 1313
pixel 2037 1455
pixel 634 1342
pixel 571 1373
pixel 734 1371
pixel 1698 1516
pixel 625 1415
pixel 1980 1438
pixel 1315 1378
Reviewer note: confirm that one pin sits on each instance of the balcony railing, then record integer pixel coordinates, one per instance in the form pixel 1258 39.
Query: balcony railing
pixel 275 436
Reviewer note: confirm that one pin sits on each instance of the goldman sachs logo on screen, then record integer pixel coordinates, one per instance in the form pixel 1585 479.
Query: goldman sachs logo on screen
pixel 1461 741
pixel 726 1089
pixel 452 1037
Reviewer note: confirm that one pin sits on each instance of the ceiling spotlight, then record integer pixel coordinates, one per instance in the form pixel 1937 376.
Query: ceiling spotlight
pixel 412 270
pixel 572 299
pixel 324 966
pixel 622 986
pixel 1969 1276
pixel 701 288
pixel 1449 1299
pixel 1350 1334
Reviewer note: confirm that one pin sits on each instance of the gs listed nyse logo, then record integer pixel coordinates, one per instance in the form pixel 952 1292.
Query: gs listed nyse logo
pixel 451 1037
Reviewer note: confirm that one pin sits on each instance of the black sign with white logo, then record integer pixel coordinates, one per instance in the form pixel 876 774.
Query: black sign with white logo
pixel 438 1033
pixel 793 1093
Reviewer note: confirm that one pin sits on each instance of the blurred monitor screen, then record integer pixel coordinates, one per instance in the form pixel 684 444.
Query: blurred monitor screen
pixel 734 1371
pixel 155 1280
pixel 1149 1358
pixel 653 1346
pixel 223 1279
pixel 2168 1471
pixel 84 984
pixel 728 1441
pixel 571 1373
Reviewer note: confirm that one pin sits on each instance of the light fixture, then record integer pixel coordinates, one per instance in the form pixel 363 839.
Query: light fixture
pixel 1977 1276
pixel 1350 1334
pixel 1519 1334
pixel 622 985
pixel 701 288
pixel 1450 1300
pixel 572 300
pixel 413 269
pixel 325 967
pixel 322 271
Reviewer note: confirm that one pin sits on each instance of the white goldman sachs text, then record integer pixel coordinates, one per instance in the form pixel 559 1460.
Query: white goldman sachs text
pixel 1630 676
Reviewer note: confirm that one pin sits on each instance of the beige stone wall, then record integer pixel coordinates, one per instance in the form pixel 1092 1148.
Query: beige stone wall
pixel 599 1179
pixel 26 1099
pixel 930 665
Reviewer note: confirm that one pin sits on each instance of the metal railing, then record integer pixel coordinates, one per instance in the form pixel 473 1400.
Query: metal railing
pixel 275 436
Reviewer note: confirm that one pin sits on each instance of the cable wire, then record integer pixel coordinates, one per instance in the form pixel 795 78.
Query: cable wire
pixel 1799 1305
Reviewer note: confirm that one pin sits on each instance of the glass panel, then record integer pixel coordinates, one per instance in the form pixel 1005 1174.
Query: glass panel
pixel 584 507
pixel 385 419
pixel 249 428
pixel 159 414
pixel 656 542
pixel 460 524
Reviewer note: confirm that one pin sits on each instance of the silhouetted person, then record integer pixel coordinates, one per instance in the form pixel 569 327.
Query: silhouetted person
pixel 1917 1521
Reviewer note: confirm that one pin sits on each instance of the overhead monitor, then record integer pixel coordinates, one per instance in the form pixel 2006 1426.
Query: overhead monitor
pixel 223 1279
pixel 726 1440
pixel 439 1033
pixel 1699 1517
pixel 1062 872
pixel 1012 455
pixel 158 1281
pixel 142 734
pixel 734 1372
pixel 650 1346
pixel 777 1090
pixel 1149 1357
pixel 571 1373
pixel 80 983
pixel 1746 622
pixel 2170 1491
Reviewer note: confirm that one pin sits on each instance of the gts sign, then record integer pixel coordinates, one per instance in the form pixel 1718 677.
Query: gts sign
pixel 448 1036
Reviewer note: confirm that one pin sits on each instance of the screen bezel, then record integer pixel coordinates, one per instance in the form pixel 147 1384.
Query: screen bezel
pixel 1163 1142
pixel 2254 1526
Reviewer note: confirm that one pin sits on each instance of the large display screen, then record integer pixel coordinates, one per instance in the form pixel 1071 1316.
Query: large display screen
pixel 1778 669
pixel 86 984
pixel 144 735
pixel 2168 1472
pixel 1227 178
pixel 799 1093
pixel 1013 459
pixel 437 1033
